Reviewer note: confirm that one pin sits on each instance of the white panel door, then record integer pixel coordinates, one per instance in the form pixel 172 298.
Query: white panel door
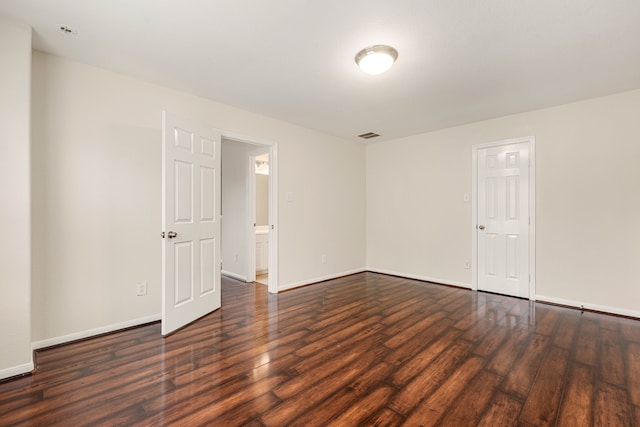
pixel 503 219
pixel 190 221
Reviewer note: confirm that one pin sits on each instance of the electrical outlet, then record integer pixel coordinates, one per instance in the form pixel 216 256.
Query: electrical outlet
pixel 467 264
pixel 141 288
pixel 324 258
pixel 235 257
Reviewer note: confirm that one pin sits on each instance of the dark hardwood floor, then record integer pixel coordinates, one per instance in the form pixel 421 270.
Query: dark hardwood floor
pixel 366 349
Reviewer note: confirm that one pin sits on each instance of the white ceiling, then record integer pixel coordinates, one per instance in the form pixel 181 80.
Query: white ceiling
pixel 459 61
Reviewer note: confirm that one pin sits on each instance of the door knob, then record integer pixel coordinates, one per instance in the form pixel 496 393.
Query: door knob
pixel 481 227
pixel 172 234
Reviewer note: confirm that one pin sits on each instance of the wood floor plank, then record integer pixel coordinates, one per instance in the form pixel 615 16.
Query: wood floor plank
pixel 612 407
pixel 430 378
pixel 357 414
pixel 417 365
pixel 611 350
pixel 385 418
pixel 547 319
pixel 327 367
pixel 242 415
pixel 350 397
pixel 315 394
pixel 413 329
pixel 524 370
pixel 577 403
pixel 504 357
pixel 491 341
pixel 430 411
pixel 366 349
pixel 503 410
pixel 586 349
pixel 410 304
pixel 541 406
pixel 355 331
pixel 566 332
pixel 402 319
pixel 200 410
pixel 411 349
pixel 633 372
pixel 630 331
pixel 474 399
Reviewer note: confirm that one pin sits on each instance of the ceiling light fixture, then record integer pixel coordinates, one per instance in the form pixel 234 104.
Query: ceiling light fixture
pixel 376 59
pixel 66 30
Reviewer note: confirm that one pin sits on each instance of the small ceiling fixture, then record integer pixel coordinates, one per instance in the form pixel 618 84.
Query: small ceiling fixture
pixel 368 135
pixel 66 30
pixel 262 167
pixel 376 59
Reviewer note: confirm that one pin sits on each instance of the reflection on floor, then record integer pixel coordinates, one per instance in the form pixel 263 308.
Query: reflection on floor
pixel 263 279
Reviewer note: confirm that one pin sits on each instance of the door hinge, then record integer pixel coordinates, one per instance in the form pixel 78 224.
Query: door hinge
pixel 162 234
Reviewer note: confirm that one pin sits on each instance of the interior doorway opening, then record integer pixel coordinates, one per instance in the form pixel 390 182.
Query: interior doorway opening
pixel 259 204
pixel 249 210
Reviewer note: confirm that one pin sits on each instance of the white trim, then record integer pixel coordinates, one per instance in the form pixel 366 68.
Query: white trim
pixel 16 370
pixel 421 278
pixel 589 306
pixel 245 139
pixel 318 279
pixel 273 285
pixel 532 216
pixel 531 140
pixel 96 331
pixel 234 275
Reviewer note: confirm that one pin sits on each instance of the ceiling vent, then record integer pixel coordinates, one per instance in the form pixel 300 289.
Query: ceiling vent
pixel 368 135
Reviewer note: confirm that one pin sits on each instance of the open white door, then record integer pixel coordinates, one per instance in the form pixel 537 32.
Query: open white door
pixel 190 222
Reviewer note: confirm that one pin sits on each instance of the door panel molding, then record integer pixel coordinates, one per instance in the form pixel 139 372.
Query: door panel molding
pixel 530 140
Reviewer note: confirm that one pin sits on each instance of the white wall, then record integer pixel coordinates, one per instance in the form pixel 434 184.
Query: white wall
pixel 97 192
pixel 262 199
pixel 15 193
pixel 587 197
pixel 234 208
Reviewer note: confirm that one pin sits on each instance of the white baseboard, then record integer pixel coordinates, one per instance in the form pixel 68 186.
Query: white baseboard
pixel 234 275
pixel 320 279
pixel 422 278
pixel 16 370
pixel 589 306
pixel 93 332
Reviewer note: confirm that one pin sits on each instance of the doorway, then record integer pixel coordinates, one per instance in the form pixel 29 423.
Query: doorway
pixel 503 229
pixel 258 202
pixel 239 216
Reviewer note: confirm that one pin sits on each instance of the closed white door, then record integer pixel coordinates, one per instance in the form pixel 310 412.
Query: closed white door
pixel 190 221
pixel 503 219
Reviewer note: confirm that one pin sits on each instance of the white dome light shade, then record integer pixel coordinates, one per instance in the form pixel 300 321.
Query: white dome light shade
pixel 376 59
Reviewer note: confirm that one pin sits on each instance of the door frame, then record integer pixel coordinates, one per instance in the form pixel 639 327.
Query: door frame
pixel 532 209
pixel 272 148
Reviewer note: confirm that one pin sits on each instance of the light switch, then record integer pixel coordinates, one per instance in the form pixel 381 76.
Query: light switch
pixel 289 196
